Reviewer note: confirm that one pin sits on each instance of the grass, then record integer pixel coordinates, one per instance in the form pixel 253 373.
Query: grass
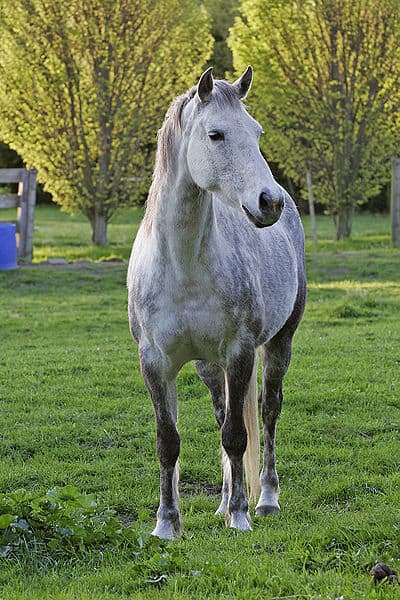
pixel 58 235
pixel 75 412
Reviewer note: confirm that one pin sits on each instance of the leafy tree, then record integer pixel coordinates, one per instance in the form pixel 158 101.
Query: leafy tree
pixel 83 86
pixel 222 14
pixel 327 90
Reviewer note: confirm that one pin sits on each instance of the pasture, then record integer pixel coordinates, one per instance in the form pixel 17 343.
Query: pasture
pixel 75 412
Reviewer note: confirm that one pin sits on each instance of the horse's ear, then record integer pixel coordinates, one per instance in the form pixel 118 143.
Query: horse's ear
pixel 243 84
pixel 205 85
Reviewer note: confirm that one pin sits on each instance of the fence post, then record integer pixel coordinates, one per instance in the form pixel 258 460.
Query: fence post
pixel 31 214
pixel 311 208
pixel 22 214
pixel 395 202
pixel 26 213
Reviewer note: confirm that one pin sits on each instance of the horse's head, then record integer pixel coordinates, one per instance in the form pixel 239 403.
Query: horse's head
pixel 222 149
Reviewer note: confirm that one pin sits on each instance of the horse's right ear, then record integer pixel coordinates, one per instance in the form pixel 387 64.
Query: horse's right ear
pixel 243 84
pixel 205 85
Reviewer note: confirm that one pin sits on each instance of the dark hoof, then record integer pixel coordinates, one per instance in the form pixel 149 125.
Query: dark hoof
pixel 264 511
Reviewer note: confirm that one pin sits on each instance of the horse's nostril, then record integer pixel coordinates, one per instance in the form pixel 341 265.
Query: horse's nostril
pixel 265 201
pixel 268 203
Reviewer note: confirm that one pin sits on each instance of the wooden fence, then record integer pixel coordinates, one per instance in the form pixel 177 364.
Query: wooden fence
pixel 24 201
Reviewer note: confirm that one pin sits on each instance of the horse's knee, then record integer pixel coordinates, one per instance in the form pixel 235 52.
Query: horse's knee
pixel 234 439
pixel 168 444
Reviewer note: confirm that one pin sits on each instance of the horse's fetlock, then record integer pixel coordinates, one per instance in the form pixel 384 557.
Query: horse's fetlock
pixel 270 481
pixel 238 504
pixel 169 514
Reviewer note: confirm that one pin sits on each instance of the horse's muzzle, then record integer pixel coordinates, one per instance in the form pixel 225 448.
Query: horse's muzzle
pixel 271 206
pixel 270 209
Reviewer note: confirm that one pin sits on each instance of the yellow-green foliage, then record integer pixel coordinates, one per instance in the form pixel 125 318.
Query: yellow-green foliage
pixel 84 85
pixel 326 86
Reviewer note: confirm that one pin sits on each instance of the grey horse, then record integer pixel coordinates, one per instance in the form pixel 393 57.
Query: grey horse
pixel 216 272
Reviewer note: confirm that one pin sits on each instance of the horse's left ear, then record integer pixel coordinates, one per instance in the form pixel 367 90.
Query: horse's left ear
pixel 205 85
pixel 243 84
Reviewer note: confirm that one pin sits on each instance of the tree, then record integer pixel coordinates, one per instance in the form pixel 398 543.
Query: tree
pixel 222 14
pixel 84 84
pixel 327 89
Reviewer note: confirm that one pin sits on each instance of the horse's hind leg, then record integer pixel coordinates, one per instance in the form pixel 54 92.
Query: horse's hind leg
pixel 213 376
pixel 163 395
pixel 276 356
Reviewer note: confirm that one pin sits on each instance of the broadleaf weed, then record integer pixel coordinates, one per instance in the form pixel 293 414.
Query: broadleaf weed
pixel 64 523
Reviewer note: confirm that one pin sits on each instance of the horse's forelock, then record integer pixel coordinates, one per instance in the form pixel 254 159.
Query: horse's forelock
pixel 225 94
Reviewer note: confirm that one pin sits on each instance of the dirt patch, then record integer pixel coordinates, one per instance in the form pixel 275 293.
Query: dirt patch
pixel 79 266
pixel 194 488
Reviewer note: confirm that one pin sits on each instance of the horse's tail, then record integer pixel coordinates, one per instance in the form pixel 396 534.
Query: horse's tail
pixel 251 458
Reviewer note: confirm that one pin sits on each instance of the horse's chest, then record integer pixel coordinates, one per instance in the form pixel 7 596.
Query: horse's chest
pixel 190 321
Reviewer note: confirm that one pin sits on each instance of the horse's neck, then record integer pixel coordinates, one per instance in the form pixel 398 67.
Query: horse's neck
pixel 184 224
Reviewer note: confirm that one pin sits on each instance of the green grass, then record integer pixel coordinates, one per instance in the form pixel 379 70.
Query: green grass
pixel 75 412
pixel 368 232
pixel 58 235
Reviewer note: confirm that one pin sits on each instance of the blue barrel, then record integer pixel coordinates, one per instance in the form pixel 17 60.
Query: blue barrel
pixel 8 246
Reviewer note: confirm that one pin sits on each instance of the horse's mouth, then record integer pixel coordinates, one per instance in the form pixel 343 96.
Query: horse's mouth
pixel 257 222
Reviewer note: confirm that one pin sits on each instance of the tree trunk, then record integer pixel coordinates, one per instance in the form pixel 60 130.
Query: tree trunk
pixel 99 229
pixel 344 221
pixel 311 208
pixel 395 202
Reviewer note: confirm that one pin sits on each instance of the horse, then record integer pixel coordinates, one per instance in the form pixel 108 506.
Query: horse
pixel 217 272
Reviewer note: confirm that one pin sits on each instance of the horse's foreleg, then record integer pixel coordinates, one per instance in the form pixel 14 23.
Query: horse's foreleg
pixel 163 395
pixel 213 376
pixel 275 358
pixel 234 437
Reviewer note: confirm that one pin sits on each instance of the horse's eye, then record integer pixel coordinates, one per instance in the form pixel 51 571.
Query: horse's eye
pixel 216 135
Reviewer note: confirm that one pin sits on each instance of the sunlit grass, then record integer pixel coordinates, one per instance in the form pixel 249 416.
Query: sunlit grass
pixel 58 235
pixel 62 236
pixel 355 286
pixel 368 232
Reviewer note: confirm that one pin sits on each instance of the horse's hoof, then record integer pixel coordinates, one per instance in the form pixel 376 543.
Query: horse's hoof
pixel 267 509
pixel 239 521
pixel 165 530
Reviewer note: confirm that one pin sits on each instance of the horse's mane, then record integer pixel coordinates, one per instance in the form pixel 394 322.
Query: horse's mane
pixel 224 94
